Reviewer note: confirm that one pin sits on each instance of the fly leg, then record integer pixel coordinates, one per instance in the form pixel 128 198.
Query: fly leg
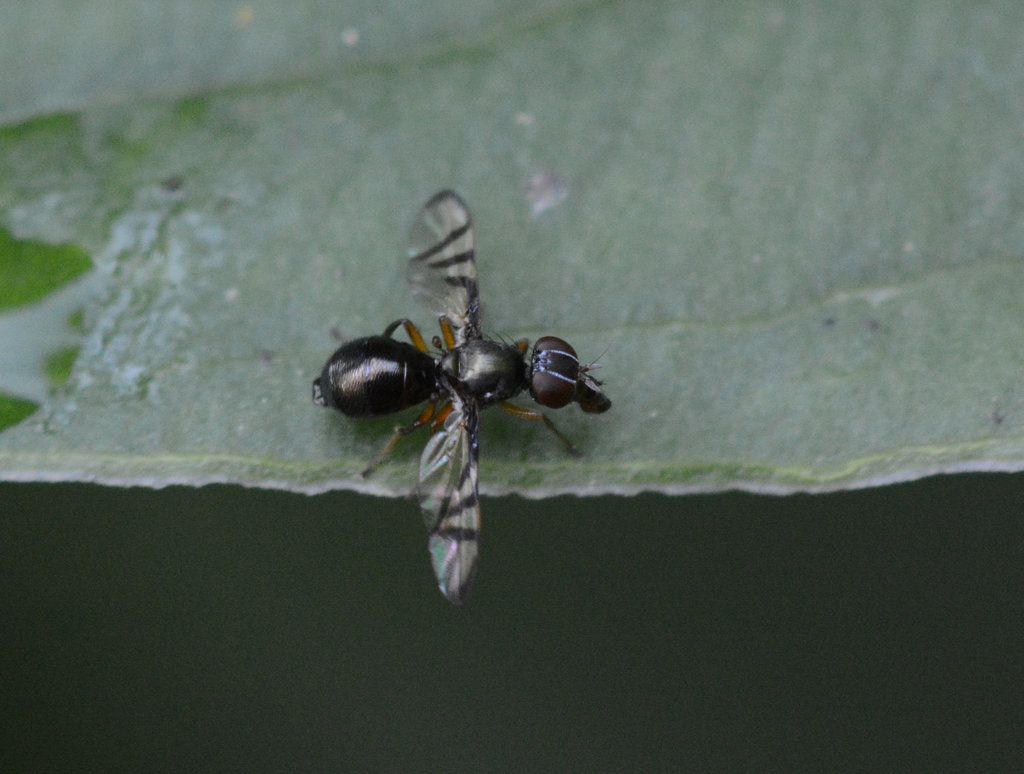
pixel 410 328
pixel 400 433
pixel 536 416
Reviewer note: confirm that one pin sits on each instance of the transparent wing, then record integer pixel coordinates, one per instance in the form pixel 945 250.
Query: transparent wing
pixel 447 492
pixel 442 269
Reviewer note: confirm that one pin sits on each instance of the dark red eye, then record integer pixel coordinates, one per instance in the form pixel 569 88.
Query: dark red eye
pixel 554 372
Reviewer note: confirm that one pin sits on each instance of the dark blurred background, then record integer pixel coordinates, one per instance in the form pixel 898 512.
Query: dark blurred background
pixel 225 629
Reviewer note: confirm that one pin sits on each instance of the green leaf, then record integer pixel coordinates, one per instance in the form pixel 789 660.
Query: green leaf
pixel 793 235
pixel 58 364
pixel 14 410
pixel 29 270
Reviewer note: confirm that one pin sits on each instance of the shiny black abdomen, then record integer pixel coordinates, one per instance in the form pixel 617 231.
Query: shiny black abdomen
pixel 375 375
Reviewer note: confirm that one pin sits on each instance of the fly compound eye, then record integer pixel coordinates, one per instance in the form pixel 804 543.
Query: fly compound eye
pixel 554 371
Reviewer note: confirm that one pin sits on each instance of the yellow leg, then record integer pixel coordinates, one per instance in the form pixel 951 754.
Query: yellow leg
pixel 446 331
pixel 536 416
pixel 410 328
pixel 401 432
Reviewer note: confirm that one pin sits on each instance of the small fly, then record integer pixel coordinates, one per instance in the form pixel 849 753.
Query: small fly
pixel 379 375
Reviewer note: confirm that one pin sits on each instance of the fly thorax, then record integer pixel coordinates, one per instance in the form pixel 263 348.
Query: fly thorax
pixel 488 371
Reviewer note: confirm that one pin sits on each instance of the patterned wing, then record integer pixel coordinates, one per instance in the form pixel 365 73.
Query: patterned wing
pixel 447 492
pixel 442 269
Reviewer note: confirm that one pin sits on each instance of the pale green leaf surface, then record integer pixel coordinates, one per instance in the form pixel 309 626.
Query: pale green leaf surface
pixel 793 234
